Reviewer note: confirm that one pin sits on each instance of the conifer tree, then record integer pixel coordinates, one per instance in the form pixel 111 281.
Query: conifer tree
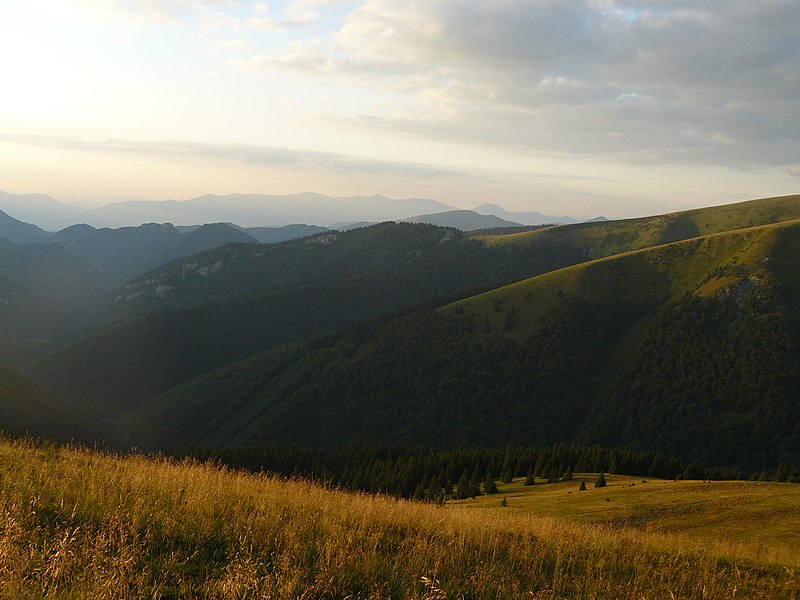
pixel 462 489
pixel 601 481
pixel 554 475
pixel 530 479
pixel 489 486
pixel 506 474
pixel 475 482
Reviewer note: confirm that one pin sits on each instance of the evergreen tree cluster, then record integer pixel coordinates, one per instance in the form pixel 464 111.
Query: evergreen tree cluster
pixel 722 370
pixel 436 475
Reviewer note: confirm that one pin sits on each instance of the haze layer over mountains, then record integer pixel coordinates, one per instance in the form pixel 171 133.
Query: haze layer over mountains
pixel 249 210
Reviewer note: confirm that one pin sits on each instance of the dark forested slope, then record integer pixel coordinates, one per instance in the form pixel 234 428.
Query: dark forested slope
pixel 296 290
pixel 27 409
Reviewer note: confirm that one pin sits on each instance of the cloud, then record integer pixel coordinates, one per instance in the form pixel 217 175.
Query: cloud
pixel 392 168
pixel 641 80
pixel 243 153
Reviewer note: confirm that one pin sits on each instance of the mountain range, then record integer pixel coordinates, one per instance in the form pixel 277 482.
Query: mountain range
pixel 677 333
pixel 246 210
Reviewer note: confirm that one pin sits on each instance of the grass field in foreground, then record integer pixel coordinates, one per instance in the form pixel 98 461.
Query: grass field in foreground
pixel 744 519
pixel 77 523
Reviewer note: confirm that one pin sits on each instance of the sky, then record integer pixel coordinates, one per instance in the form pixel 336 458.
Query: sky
pixel 567 107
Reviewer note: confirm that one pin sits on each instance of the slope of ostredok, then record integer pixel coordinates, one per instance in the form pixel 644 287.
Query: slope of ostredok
pixel 586 241
pixel 703 266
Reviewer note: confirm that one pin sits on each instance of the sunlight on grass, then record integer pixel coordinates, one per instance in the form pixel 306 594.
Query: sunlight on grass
pixel 83 524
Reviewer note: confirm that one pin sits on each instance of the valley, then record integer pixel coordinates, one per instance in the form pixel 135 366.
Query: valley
pixel 383 378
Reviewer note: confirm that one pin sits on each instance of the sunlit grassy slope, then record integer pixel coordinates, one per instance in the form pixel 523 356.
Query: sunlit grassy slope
pixel 599 239
pixel 702 266
pixel 739 518
pixel 80 524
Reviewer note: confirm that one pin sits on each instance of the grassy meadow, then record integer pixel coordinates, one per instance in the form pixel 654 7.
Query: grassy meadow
pixel 750 520
pixel 77 523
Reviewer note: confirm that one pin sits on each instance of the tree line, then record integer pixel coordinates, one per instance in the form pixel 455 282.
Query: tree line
pixel 433 474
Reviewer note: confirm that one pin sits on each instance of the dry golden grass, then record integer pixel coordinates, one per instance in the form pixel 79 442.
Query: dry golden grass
pixel 81 524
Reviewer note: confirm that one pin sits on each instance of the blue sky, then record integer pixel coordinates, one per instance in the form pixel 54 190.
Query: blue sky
pixel 579 107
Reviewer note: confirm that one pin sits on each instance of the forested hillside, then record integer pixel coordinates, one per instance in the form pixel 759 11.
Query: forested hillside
pixel 43 292
pixel 712 313
pixel 26 408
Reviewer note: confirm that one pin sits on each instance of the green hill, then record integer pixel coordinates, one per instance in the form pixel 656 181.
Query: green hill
pixel 690 348
pixel 703 266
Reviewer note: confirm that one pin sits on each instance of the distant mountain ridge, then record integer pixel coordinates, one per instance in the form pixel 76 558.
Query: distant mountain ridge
pixel 19 231
pixel 275 235
pixel 265 211
pixel 118 255
pixel 523 218
pixel 46 212
pixel 246 210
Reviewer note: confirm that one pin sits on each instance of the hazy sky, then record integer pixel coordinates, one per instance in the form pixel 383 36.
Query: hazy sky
pixel 579 107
